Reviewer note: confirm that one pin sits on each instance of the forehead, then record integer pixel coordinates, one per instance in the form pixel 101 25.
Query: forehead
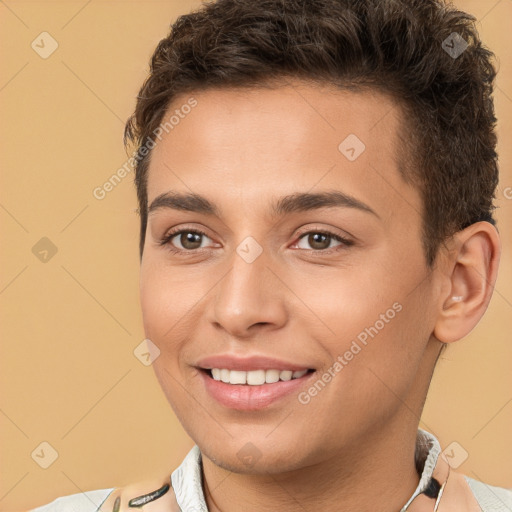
pixel 254 144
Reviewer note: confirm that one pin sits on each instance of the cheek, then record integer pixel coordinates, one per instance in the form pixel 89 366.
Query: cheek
pixel 160 306
pixel 379 329
pixel 372 381
pixel 163 310
pixel 390 363
pixel 346 304
pixel 384 305
pixel 171 308
pixel 154 306
pixel 165 299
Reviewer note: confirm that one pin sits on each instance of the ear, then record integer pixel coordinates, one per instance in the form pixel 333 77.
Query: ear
pixel 471 274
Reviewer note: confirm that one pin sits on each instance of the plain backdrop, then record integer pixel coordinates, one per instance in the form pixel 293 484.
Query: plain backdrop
pixel 69 264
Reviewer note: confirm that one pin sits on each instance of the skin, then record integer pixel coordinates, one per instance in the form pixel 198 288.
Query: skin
pixel 353 443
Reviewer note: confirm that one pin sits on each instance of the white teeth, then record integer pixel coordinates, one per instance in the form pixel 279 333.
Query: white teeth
pixel 237 377
pixel 271 376
pixel 286 375
pixel 255 377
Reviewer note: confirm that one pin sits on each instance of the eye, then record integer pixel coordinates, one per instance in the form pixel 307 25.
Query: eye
pixel 189 239
pixel 321 240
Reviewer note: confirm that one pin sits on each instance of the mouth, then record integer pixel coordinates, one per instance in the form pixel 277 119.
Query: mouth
pixel 254 390
pixel 254 377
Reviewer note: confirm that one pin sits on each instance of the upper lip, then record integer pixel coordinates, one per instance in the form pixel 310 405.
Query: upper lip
pixel 231 362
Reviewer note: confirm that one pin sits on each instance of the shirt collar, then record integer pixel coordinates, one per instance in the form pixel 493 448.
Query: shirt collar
pixel 187 478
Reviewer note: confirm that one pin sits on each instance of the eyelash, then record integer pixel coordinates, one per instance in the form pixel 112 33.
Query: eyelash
pixel 166 241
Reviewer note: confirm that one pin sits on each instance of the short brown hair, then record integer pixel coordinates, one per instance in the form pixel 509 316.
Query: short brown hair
pixel 406 48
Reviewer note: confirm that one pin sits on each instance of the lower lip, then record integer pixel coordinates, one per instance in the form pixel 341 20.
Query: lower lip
pixel 251 398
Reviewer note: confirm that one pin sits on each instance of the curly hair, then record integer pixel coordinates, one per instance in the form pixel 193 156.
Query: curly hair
pixel 399 47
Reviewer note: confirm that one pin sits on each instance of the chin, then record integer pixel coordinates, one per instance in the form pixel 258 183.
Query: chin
pixel 255 455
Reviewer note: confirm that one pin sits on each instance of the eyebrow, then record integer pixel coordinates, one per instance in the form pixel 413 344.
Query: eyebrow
pixel 292 203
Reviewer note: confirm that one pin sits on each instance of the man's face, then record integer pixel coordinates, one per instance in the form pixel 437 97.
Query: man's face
pixel 357 313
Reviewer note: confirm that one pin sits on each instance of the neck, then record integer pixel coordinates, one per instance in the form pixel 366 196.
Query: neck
pixel 376 473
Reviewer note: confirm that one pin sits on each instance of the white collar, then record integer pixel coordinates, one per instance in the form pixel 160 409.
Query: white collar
pixel 187 478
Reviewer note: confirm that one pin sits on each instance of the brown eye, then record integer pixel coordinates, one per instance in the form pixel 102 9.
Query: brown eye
pixel 185 240
pixel 190 240
pixel 320 241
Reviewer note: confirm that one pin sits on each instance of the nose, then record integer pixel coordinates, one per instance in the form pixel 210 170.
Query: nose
pixel 250 297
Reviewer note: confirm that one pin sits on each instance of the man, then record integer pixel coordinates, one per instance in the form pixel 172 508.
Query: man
pixel 315 183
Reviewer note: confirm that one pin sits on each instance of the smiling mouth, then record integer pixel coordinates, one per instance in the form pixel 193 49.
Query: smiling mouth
pixel 254 377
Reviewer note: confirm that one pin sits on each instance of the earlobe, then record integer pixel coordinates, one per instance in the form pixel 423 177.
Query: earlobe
pixel 473 269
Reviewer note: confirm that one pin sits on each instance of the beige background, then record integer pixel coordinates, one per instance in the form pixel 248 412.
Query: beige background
pixel 70 325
